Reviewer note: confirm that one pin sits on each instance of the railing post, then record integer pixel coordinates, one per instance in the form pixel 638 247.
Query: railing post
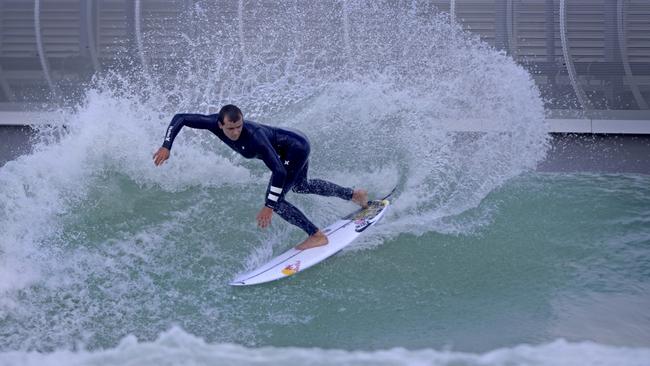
pixel 86 33
pixel 622 44
pixel 568 60
pixel 41 50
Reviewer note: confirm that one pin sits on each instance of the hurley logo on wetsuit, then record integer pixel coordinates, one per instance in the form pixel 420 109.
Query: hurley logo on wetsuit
pixel 169 134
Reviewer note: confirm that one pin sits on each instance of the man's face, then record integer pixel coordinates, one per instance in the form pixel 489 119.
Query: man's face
pixel 231 129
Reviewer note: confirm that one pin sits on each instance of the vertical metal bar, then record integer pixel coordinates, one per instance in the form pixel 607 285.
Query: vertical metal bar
pixel 549 33
pixel 568 61
pixel 131 41
pixel 500 25
pixel 622 44
pixel 83 34
pixel 138 35
pixel 550 30
pixel 39 46
pixel 510 28
pixel 452 9
pixel 86 32
pixel 612 83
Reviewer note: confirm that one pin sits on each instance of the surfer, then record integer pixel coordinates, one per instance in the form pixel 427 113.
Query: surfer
pixel 285 152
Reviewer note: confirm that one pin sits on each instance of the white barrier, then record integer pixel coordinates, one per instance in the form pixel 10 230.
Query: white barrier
pixel 555 125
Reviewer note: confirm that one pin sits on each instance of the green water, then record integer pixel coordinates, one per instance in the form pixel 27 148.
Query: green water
pixel 555 256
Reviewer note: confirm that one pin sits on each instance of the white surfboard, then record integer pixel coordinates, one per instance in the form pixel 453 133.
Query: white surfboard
pixel 340 235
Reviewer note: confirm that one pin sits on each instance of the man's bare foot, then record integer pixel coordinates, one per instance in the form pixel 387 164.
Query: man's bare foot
pixel 317 240
pixel 360 197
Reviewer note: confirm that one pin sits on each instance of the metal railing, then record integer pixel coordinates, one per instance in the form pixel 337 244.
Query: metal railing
pixel 584 54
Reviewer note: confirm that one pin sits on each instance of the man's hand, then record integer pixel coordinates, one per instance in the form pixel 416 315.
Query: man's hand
pixel 160 156
pixel 264 217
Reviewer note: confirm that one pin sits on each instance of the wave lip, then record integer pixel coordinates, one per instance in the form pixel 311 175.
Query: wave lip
pixel 176 347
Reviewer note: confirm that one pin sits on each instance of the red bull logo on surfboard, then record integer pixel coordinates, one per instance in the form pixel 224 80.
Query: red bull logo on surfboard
pixel 291 269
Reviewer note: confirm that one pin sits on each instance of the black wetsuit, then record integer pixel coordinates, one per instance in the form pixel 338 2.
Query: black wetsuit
pixel 284 152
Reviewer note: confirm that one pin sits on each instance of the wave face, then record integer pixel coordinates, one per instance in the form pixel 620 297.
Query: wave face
pixel 97 243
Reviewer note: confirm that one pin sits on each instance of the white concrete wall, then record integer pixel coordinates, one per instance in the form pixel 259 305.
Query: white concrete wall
pixel 559 125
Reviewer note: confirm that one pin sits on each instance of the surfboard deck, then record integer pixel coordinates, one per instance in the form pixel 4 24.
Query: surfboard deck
pixel 340 234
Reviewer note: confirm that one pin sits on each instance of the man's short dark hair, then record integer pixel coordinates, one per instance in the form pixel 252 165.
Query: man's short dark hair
pixel 231 111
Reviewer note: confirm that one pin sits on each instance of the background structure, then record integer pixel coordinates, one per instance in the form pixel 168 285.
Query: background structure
pixel 590 58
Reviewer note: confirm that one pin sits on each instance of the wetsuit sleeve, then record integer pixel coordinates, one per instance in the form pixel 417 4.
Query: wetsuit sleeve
pixel 278 174
pixel 199 121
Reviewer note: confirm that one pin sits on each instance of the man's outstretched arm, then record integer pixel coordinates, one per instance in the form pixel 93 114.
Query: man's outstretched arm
pixel 199 121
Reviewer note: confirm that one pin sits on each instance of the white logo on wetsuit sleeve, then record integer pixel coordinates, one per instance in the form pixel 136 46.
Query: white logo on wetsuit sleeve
pixel 169 134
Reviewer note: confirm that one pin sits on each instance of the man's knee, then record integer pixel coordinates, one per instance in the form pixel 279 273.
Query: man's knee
pixel 300 188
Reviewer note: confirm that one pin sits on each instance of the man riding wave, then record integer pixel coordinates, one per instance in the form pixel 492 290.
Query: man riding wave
pixel 285 152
